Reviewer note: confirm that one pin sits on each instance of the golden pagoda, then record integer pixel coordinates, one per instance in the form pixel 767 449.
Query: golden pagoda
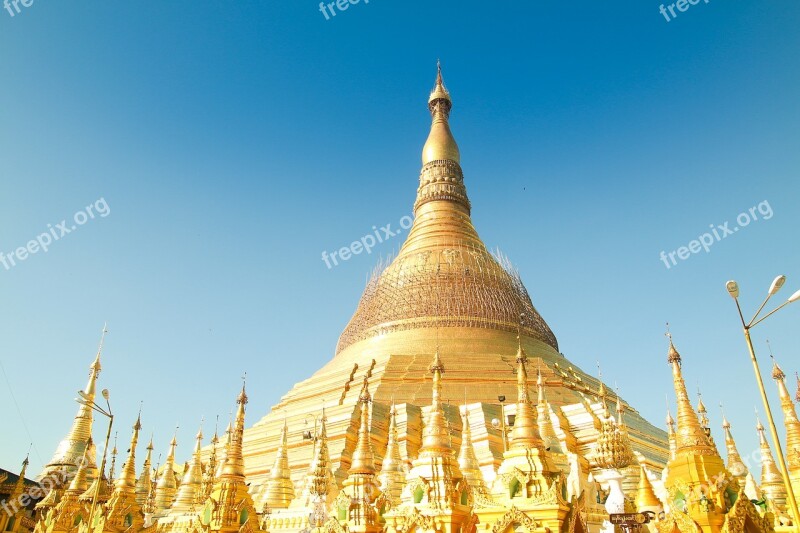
pixel 792 426
pixel 392 454
pixel 122 511
pixel 72 450
pixel 443 289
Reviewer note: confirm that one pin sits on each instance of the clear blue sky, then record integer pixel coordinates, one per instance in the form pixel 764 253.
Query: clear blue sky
pixel 235 141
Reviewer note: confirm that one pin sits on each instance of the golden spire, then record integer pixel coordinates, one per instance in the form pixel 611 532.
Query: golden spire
pixel 545 423
pixel 79 484
pixel 646 499
pixel 671 435
pixel 320 481
pixel 467 460
pixel 363 457
pixel 435 437
pixel 209 475
pixel 167 484
pixel 127 479
pixel 19 486
pixel 224 455
pixel 702 414
pixel 790 420
pixel 144 484
pixel 525 433
pixel 771 480
pixel 393 474
pixel 112 468
pixel 70 450
pixel 280 490
pixel 440 146
pixel 690 439
pixel 735 464
pixel 189 491
pixel 122 510
pixel 234 460
pixel 613 446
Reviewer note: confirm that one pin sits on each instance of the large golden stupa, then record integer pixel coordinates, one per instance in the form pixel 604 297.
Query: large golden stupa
pixel 447 408
pixel 444 290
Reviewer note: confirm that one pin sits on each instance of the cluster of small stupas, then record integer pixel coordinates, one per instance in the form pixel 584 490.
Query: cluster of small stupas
pixel 394 449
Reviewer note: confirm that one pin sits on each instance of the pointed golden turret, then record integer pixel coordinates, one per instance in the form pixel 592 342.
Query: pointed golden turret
pixel 392 476
pixel 467 460
pixel 19 486
pixel 280 490
pixel 735 464
pixel 224 455
pixel 671 435
pixel 70 511
pixel 696 466
pixel 791 422
pixel 525 433
pixel 144 483
pixel 702 414
pixel 209 474
pixel 361 485
pixel 646 499
pixel 71 450
pixel 613 448
pixel 435 436
pixel 690 439
pixel 545 423
pixel 122 512
pixel 440 146
pixel 320 481
pixel 229 508
pixel 167 484
pixel 189 490
pixel 771 479
pixel 363 461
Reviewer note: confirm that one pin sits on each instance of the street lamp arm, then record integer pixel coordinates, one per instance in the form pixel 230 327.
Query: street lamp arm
pixel 784 304
pixel 761 308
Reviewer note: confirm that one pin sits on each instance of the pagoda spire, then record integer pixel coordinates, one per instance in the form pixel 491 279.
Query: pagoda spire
pixel 234 460
pixel 189 490
pixel 467 460
pixel 71 449
pixel 361 485
pixel 791 422
pixel 320 481
pixel 691 439
pixel 363 457
pixel 771 479
pixel 144 483
pixel 167 483
pixel 122 510
pixel 440 146
pixel 735 464
pixel 224 455
pixel 671 435
pixel 229 507
pixel 545 423
pixel 525 433
pixel 392 476
pixel 280 490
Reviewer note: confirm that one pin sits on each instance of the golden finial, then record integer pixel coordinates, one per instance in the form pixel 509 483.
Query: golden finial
pixel 363 456
pixel 440 146
pixel 672 356
pixel 797 394
pixel 113 458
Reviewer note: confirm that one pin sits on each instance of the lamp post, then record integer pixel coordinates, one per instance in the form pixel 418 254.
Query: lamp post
pixel 85 399
pixel 733 290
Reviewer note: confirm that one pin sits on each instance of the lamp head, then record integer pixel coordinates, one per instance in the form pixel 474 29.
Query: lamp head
pixel 777 283
pixel 105 394
pixel 733 289
pixel 794 297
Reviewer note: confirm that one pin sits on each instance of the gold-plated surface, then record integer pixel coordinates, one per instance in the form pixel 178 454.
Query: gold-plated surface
pixel 771 480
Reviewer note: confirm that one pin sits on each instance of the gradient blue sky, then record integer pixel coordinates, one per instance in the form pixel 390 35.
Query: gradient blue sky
pixel 234 141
